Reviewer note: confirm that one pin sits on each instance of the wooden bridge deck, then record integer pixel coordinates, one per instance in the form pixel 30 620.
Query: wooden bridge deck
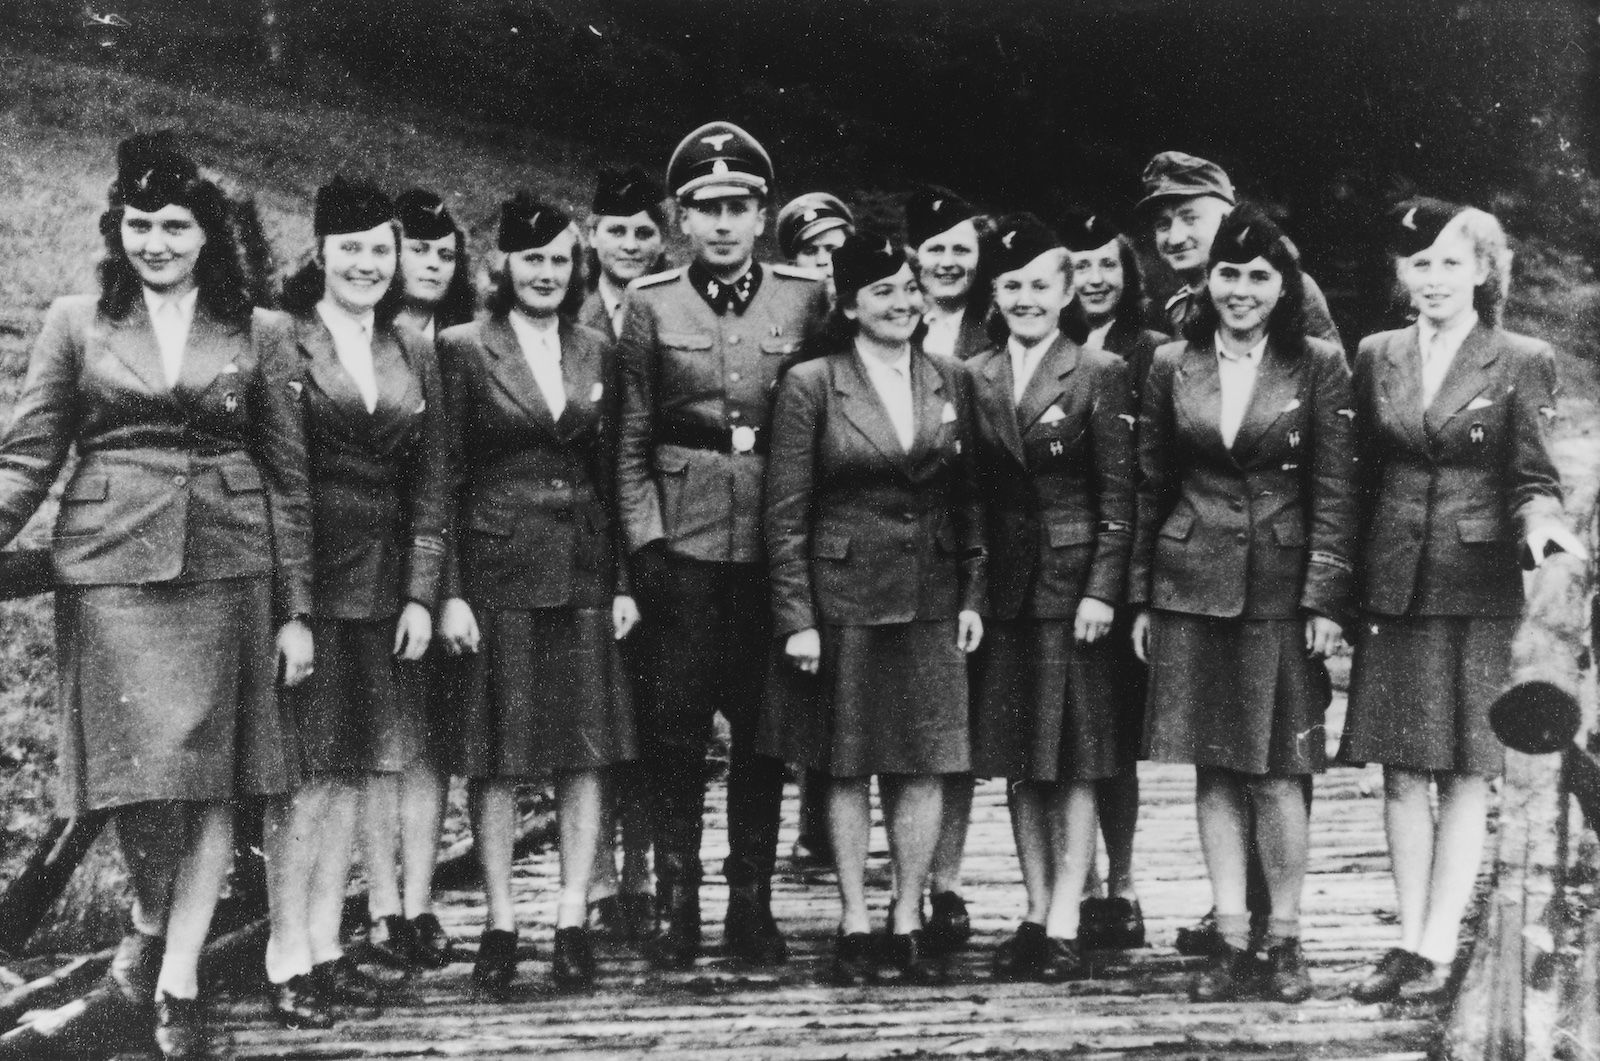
pixel 1135 1007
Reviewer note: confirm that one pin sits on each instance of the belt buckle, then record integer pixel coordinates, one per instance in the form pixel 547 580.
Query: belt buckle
pixel 744 438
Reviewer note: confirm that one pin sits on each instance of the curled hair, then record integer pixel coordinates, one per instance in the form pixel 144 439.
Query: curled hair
pixel 1286 327
pixel 503 297
pixel 305 288
pixel 1490 250
pixel 223 286
pixel 460 299
pixel 1130 311
pixel 1071 323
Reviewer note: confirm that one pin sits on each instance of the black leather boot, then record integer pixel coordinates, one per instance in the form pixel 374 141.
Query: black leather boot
pixel 677 944
pixel 749 931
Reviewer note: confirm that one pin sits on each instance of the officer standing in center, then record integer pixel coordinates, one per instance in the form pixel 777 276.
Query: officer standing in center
pixel 700 354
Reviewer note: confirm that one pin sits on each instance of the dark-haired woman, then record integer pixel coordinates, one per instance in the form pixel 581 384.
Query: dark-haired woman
pixel 874 537
pixel 626 235
pixel 539 579
pixel 1245 533
pixel 1455 468
pixel 377 449
pixel 1108 304
pixel 403 809
pixel 1055 467
pixel 182 541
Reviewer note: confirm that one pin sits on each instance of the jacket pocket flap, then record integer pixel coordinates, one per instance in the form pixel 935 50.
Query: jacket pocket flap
pixel 830 546
pixel 780 346
pixel 1481 530
pixel 241 478
pixel 671 463
pixel 685 341
pixel 93 487
pixel 1178 525
pixel 1289 533
pixel 491 523
pixel 1065 534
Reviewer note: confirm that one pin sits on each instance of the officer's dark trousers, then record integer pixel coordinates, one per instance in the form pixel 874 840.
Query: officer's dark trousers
pixel 710 644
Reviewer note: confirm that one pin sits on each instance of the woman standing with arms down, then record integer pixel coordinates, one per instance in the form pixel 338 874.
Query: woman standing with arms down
pixel 1455 472
pixel 1245 533
pixel 376 445
pixel 1055 467
pixel 539 590
pixel 182 540
pixel 874 537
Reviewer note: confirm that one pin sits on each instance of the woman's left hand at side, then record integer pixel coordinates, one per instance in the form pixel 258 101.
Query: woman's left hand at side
pixel 1093 620
pixel 1551 537
pixel 624 616
pixel 296 652
pixel 1322 635
pixel 413 632
pixel 969 631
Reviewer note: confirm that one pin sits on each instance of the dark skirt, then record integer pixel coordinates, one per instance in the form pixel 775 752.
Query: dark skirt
pixel 546 693
pixel 362 709
pixel 167 692
pixel 1131 680
pixel 888 699
pixel 1420 690
pixel 1236 694
pixel 1044 707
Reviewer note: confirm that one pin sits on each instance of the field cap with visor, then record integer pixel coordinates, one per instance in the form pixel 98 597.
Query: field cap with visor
pixel 1177 175
pixel 719 160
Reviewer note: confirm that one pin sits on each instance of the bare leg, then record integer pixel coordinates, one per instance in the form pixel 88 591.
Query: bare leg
pixel 1220 806
pixel 580 794
pixel 1408 822
pixel 380 833
pixel 195 888
pixel 331 876
pixel 945 871
pixel 422 799
pixel 1072 843
pixel 1282 839
pixel 1030 827
pixel 912 805
pixel 1457 853
pixel 492 805
pixel 850 822
pixel 290 830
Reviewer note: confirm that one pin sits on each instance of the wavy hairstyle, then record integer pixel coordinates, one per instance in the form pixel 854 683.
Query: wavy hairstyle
pixel 1286 326
pixel 305 288
pixel 503 298
pixel 224 286
pixel 459 303
pixel 1131 308
pixel 1490 248
pixel 1072 324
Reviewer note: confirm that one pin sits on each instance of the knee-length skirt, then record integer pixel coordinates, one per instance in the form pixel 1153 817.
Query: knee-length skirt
pixel 1045 708
pixel 362 709
pixel 167 691
pixel 1420 692
pixel 546 693
pixel 1236 694
pixel 889 699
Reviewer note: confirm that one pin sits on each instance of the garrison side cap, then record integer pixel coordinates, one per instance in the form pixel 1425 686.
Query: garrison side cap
pixel 526 221
pixel 865 258
pixel 1246 234
pixel 423 215
pixel 152 171
pixel 346 205
pixel 1414 224
pixel 1083 231
pixel 1178 175
pixel 1017 240
pixel 623 193
pixel 808 216
pixel 716 161
pixel 931 210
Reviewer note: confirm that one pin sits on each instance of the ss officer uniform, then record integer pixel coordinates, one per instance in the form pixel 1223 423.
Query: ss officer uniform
pixel 699 363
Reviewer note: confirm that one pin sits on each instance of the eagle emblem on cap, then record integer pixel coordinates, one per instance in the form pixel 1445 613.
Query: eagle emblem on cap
pixel 144 181
pixel 534 220
pixel 937 204
pixel 436 209
pixel 1089 224
pixel 1244 234
pixel 716 140
pixel 888 248
pixel 809 215
pixel 1008 237
pixel 1410 220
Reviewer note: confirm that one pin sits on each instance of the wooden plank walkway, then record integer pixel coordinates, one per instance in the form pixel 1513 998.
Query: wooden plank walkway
pixel 1135 1007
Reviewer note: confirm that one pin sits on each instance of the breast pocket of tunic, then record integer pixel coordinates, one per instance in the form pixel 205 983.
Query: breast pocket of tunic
pixel 686 365
pixel 85 506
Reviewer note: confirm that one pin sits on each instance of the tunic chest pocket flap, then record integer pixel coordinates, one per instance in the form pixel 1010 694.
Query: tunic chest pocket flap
pixel 84 488
pixel 1066 535
pixel 780 346
pixel 830 546
pixel 242 479
pixel 1178 525
pixel 685 341
pixel 1482 531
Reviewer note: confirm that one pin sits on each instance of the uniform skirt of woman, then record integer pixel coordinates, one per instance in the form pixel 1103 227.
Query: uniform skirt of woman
pixel 1235 694
pixel 1044 707
pixel 168 691
pixel 1420 690
pixel 888 699
pixel 361 710
pixel 545 693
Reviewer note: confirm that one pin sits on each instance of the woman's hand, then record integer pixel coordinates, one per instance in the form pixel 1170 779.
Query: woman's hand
pixel 1322 635
pixel 295 652
pixel 804 649
pixel 458 627
pixel 969 631
pixel 413 632
pixel 1093 620
pixel 1141 635
pixel 1552 537
pixel 624 615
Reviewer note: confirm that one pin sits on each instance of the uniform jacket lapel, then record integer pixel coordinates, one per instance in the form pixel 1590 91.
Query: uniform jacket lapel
pixel 509 369
pixel 1467 378
pixel 1275 394
pixel 399 391
pixel 1049 381
pixel 580 371
pixel 329 376
pixel 1402 385
pixel 998 409
pixel 929 401
pixel 1198 395
pixel 863 408
pixel 132 342
pixel 207 356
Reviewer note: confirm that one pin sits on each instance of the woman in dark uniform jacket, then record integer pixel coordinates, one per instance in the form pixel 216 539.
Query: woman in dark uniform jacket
pixel 1451 414
pixel 186 515
pixel 1245 532
pixel 377 448
pixel 1109 305
pixel 403 810
pixel 539 574
pixel 874 537
pixel 1055 467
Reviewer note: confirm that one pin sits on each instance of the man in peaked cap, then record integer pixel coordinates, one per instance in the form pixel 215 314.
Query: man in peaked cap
pixel 700 354
pixel 1185 200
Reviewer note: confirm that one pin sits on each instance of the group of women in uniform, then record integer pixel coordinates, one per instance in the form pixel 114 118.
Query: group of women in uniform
pixel 991 492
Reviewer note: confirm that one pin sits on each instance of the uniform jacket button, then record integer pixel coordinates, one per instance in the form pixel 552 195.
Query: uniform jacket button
pixel 559 484
pixel 180 480
pixel 733 339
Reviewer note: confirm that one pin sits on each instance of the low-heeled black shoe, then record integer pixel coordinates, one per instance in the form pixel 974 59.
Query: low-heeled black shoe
pixel 1286 977
pixel 342 981
pixel 1395 969
pixel 638 915
pixel 433 948
pixel 907 960
pixel 1022 955
pixel 1232 974
pixel 749 930
pixel 572 963
pixel 296 1004
pixel 1121 926
pixel 948 927
pixel 182 1033
pixel 135 966
pixel 1202 940
pixel 496 964
pixel 393 941
pixel 1092 923
pixel 606 920
pixel 1062 962
pixel 852 963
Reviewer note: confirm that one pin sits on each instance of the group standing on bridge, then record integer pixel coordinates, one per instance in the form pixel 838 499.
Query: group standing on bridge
pixel 925 509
